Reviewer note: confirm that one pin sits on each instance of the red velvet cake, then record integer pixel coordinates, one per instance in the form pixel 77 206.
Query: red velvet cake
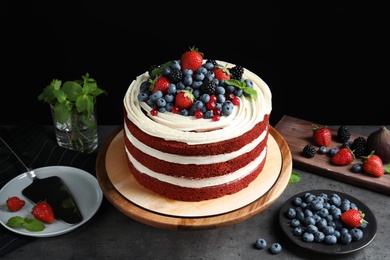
pixel 203 151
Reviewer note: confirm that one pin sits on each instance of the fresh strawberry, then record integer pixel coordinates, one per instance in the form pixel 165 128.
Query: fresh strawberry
pixel 15 203
pixel 372 164
pixel 221 73
pixel 353 218
pixel 184 99
pixel 321 135
pixel 191 59
pixel 344 156
pixel 160 83
pixel 43 212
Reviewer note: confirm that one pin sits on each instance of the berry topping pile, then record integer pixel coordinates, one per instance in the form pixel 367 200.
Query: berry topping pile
pixel 191 87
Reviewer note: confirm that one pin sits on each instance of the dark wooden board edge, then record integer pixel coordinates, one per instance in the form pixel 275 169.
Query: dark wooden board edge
pixel 297 133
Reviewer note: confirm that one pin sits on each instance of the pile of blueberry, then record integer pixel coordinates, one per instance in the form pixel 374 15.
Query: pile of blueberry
pixel 316 218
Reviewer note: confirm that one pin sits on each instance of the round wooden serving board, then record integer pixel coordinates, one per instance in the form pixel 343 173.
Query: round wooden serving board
pixel 132 199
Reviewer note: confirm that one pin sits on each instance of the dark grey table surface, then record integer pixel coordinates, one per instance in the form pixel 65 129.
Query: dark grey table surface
pixel 110 234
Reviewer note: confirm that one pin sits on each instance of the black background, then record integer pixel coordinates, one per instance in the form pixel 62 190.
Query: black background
pixel 325 61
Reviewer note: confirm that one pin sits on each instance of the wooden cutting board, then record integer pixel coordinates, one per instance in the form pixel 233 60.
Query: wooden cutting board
pixel 297 133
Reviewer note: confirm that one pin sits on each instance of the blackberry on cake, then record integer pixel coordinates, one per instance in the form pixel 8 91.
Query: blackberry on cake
pixel 214 147
pixel 236 72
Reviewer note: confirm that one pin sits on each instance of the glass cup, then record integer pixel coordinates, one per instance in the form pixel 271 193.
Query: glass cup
pixel 78 133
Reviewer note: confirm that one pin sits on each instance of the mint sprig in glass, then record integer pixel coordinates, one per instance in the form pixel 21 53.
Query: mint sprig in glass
pixel 74 113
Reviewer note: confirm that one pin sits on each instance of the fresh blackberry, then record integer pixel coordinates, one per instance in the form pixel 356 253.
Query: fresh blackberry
pixel 208 87
pixel 236 72
pixel 175 76
pixel 309 151
pixel 343 134
pixel 359 147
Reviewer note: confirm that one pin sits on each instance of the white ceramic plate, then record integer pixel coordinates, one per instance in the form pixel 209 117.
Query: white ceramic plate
pixel 82 185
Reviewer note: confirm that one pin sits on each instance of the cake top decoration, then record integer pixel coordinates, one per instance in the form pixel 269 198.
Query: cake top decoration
pixel 192 86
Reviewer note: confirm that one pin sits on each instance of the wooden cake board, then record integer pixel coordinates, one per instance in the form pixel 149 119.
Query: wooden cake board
pixel 132 199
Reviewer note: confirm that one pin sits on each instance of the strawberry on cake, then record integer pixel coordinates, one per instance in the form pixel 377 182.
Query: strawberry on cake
pixel 196 129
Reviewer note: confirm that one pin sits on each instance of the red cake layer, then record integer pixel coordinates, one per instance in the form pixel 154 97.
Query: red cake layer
pixel 180 148
pixel 194 170
pixel 193 194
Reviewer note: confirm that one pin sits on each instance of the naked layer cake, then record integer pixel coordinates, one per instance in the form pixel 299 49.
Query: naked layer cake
pixel 196 129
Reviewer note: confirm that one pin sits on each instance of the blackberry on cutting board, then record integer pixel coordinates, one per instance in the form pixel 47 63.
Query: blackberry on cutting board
pixel 343 134
pixel 359 147
pixel 309 151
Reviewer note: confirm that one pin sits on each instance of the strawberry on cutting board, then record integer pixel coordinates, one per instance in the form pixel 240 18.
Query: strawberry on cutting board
pixel 15 203
pixel 191 59
pixel 344 156
pixel 372 164
pixel 43 212
pixel 321 135
pixel 353 218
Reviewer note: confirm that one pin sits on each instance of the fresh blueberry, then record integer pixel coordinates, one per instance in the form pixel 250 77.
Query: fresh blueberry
pixel 142 97
pixel 357 168
pixel 346 144
pixel 356 234
pixel 319 236
pixel 323 212
pixel 297 201
pixel 322 150
pixel 260 243
pixel 330 239
pixel 312 228
pixel 161 102
pixel 298 231
pixel 345 238
pixel 308 237
pixel 332 151
pixel 291 213
pixel 295 223
pixel 276 248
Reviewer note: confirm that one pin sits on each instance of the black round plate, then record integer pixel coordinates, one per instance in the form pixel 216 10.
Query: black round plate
pixel 368 233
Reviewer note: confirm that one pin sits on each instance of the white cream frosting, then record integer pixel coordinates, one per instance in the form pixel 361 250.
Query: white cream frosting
pixel 175 127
